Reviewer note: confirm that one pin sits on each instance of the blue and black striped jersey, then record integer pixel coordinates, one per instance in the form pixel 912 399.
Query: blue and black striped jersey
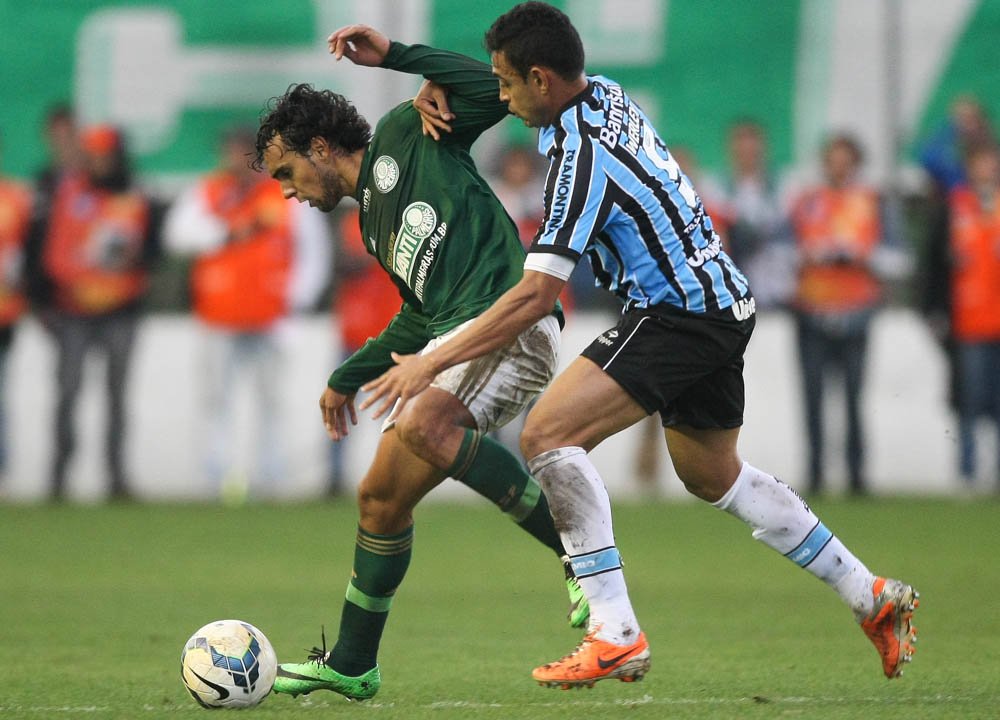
pixel 614 192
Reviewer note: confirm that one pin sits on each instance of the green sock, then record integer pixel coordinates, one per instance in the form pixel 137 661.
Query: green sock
pixel 491 470
pixel 380 562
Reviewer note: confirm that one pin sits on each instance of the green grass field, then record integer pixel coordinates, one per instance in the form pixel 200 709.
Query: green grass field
pixel 96 602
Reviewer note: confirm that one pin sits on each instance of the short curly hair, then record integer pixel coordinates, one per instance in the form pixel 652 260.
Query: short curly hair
pixel 535 33
pixel 304 113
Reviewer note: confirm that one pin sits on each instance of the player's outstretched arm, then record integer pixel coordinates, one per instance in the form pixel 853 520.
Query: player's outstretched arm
pixel 515 311
pixel 361 44
pixel 406 333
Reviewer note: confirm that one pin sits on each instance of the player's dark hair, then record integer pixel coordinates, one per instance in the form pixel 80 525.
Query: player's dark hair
pixel 304 113
pixel 534 33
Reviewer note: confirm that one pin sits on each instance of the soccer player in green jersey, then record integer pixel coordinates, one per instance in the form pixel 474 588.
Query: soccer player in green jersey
pixel 451 249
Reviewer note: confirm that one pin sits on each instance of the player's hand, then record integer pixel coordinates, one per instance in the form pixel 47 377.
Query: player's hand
pixel 333 405
pixel 361 44
pixel 432 104
pixel 412 375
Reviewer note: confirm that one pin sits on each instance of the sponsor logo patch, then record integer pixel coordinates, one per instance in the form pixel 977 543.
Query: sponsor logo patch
pixel 386 173
pixel 563 187
pixel 415 246
pixel 744 308
pixel 608 337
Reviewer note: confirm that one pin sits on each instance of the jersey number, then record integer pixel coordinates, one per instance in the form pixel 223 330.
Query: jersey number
pixel 669 165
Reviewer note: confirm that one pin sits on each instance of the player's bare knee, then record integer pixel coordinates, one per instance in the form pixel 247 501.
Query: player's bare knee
pixel 383 518
pixel 541 433
pixel 422 434
pixel 701 490
pixel 534 440
pixel 413 431
pixel 550 426
pixel 707 483
pixel 381 511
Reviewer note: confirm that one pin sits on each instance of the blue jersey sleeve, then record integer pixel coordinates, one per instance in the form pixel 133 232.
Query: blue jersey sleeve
pixel 574 190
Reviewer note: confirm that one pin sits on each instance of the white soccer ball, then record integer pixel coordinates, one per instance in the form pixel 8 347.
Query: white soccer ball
pixel 228 663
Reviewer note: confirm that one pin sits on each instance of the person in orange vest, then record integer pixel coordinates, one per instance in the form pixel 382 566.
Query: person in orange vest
pixel 95 250
pixel 837 227
pixel 61 137
pixel 973 276
pixel 15 216
pixel 257 258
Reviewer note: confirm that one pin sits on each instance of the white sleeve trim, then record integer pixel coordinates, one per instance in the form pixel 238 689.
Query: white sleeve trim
pixel 558 266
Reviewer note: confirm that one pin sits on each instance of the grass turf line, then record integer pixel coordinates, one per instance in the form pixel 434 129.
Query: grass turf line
pixel 96 602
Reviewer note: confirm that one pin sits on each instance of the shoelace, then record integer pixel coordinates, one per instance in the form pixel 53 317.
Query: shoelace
pixel 589 637
pixel 318 655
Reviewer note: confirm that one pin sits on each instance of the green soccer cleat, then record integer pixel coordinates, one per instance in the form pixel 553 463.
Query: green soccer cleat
pixel 314 674
pixel 579 607
pixel 302 678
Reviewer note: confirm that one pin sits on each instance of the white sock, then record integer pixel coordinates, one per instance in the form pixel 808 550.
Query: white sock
pixel 782 520
pixel 581 510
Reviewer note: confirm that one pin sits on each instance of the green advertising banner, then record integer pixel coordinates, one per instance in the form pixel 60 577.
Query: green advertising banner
pixel 686 62
pixel 132 61
pixel 971 69
pixel 174 73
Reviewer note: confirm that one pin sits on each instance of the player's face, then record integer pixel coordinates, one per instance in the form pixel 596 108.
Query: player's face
pixel 307 178
pixel 524 96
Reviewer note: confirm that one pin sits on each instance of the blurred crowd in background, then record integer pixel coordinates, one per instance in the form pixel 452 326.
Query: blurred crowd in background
pixel 88 252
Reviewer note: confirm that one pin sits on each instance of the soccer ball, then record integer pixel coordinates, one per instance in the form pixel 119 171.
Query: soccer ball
pixel 228 663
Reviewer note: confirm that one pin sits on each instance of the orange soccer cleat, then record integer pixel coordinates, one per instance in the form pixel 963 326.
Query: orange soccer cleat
pixel 594 660
pixel 889 626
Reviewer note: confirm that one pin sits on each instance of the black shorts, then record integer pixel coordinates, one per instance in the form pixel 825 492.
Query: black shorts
pixel 686 366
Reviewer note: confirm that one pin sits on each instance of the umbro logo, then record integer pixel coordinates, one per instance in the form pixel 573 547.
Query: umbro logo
pixel 743 309
pixel 608 337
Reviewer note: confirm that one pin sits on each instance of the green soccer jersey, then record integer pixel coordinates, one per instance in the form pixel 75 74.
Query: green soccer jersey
pixel 429 218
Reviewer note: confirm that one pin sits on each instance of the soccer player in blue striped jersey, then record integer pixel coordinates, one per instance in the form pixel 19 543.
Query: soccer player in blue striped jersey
pixel 615 194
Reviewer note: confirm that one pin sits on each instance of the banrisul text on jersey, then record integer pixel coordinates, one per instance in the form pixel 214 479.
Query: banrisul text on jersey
pixel 615 193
